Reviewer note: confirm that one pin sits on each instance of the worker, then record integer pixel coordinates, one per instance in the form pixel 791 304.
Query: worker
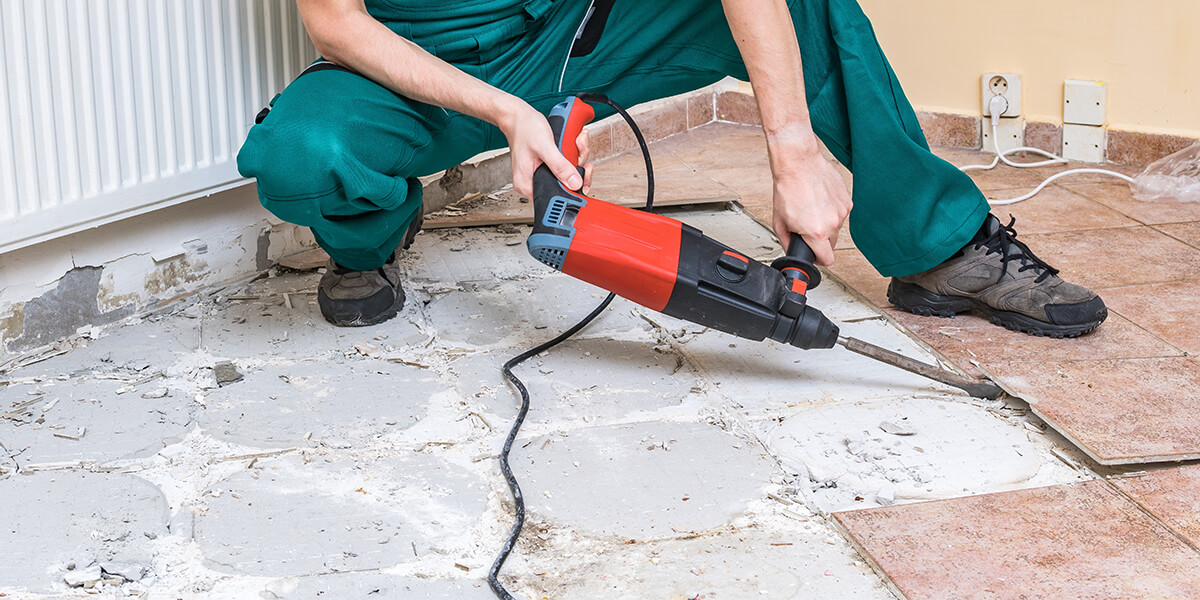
pixel 407 88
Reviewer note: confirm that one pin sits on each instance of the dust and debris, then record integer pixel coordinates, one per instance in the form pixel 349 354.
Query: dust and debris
pixel 398 428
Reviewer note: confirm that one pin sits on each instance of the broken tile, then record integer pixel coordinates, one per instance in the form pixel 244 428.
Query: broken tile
pixel 643 481
pixel 1171 495
pixel 1120 411
pixel 226 373
pixel 967 338
pixel 845 458
pixel 287 405
pixel 1167 310
pixel 53 519
pixel 307 260
pixel 1073 541
pixel 1087 257
pixel 289 517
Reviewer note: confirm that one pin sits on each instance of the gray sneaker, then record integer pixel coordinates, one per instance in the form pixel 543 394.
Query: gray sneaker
pixel 349 298
pixel 999 276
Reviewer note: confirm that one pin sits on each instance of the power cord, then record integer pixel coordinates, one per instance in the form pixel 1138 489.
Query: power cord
pixel 518 499
pixel 997 107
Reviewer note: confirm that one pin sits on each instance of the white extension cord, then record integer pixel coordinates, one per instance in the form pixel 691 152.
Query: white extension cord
pixel 997 107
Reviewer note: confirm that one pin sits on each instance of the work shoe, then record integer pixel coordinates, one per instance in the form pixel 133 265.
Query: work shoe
pixel 350 298
pixel 999 276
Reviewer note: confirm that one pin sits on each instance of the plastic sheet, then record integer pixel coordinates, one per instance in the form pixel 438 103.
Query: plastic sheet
pixel 1173 178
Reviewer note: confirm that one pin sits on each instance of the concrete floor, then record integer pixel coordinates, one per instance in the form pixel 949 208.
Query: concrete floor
pixel 660 460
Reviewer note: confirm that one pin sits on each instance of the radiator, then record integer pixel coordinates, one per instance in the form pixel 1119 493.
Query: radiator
pixel 114 108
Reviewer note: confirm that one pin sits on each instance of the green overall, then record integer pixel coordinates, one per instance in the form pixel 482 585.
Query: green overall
pixel 341 154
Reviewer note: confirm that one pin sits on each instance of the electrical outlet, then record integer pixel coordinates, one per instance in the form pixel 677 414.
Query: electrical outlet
pixel 1002 84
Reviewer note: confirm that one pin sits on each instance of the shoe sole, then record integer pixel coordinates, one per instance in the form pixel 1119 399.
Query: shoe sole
pixel 355 319
pixel 920 301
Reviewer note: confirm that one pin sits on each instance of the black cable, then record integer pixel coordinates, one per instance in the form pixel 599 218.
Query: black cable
pixel 518 499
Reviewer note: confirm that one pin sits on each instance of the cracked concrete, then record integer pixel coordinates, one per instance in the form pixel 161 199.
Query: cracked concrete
pixel 660 460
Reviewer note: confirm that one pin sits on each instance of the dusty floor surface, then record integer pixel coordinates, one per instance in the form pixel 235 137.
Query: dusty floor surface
pixel 240 447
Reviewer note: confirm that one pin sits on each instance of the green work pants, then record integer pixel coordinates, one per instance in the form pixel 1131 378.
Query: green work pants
pixel 341 154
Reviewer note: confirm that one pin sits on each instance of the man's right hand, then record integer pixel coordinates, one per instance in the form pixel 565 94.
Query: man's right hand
pixel 531 144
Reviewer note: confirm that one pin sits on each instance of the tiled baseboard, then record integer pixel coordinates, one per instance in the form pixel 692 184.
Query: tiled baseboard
pixel 1132 148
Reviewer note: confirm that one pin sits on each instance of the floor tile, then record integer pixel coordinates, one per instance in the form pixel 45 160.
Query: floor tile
pixel 718 145
pixel 1188 233
pixel 1118 196
pixel 1083 541
pixel 1119 411
pixel 1167 310
pixel 1116 257
pixel 1058 209
pixel 968 338
pixel 1171 495
pixel 854 270
pixel 623 179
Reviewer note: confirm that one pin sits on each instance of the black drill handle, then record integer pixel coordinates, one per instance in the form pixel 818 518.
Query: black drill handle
pixel 800 262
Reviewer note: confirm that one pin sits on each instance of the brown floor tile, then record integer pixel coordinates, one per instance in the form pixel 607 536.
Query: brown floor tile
pixel 1083 541
pixel 1167 310
pixel 1188 233
pixel 853 269
pixel 1171 495
pixel 968 337
pixel 623 178
pixel 1116 257
pixel 720 145
pixel 1118 197
pixel 1058 209
pixel 1120 411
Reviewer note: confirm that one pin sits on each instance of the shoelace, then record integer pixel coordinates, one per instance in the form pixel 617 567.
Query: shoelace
pixel 1005 239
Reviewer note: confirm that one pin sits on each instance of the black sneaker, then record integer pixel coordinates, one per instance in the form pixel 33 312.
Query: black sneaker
pixel 350 298
pixel 999 276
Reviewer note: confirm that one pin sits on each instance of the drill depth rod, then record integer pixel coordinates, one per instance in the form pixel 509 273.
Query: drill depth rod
pixel 978 388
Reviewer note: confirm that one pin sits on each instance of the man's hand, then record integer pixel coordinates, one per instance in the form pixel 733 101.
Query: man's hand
pixel 531 144
pixel 810 197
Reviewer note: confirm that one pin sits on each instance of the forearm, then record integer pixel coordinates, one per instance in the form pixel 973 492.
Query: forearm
pixel 346 34
pixel 766 38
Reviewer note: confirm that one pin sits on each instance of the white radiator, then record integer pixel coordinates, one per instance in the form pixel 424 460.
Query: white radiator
pixel 113 108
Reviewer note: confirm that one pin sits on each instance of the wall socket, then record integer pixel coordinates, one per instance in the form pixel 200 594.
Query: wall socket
pixel 1002 84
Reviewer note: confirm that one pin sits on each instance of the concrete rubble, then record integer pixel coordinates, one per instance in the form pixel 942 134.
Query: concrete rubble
pixel 237 446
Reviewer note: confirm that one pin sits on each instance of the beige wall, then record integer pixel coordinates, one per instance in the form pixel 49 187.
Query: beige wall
pixel 1148 51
